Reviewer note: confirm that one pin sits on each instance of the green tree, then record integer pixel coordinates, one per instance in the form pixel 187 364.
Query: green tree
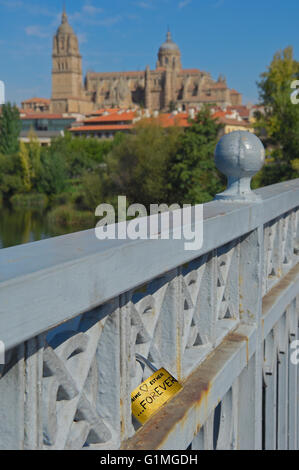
pixel 26 167
pixel 10 128
pixel 193 177
pixel 80 154
pixel 11 175
pixel 137 166
pixel 93 191
pixel 34 153
pixel 278 126
pixel 52 175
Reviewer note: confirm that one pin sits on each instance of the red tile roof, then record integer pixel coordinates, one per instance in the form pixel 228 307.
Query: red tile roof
pixel 234 122
pixel 242 110
pixel 25 115
pixel 169 119
pixel 109 127
pixel 111 122
pixel 116 74
pixel 37 100
pixel 104 110
pixel 113 117
pixel 191 71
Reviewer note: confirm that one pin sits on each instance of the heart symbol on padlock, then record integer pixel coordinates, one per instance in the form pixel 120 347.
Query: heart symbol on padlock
pixel 144 387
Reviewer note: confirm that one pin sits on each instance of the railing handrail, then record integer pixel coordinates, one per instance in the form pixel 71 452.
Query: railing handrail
pixel 222 319
pixel 46 283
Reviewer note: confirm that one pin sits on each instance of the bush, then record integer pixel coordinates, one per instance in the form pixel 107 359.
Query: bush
pixel 91 191
pixel 272 173
pixel 11 177
pixel 51 177
pixel 80 154
pixel 68 217
pixel 29 201
pixel 61 199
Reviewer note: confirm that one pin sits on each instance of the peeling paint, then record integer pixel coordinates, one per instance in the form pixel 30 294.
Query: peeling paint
pixel 195 398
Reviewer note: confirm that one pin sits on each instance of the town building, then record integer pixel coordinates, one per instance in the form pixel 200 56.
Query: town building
pixel 45 126
pixel 36 105
pixel 105 123
pixel 166 87
pixel 233 118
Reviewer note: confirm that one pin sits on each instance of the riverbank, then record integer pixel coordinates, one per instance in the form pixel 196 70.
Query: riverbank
pixel 25 225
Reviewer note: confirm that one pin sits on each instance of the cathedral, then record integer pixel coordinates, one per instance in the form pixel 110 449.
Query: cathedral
pixel 164 88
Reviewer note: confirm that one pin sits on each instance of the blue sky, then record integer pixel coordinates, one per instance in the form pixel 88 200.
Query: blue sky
pixel 233 37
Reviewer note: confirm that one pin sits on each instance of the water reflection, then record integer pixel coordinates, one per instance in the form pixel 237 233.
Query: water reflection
pixel 24 226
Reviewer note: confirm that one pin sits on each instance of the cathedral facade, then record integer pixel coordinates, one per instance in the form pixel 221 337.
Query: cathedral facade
pixel 166 87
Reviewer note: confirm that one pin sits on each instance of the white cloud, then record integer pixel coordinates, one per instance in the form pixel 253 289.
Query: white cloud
pixel 110 21
pixel 91 10
pixel 184 3
pixel 31 8
pixel 11 3
pixel 218 4
pixel 93 16
pixel 36 31
pixel 145 5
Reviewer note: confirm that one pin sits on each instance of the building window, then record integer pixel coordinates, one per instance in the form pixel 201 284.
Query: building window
pixel 42 124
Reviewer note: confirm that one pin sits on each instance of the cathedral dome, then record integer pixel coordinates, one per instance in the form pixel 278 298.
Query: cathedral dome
pixel 169 44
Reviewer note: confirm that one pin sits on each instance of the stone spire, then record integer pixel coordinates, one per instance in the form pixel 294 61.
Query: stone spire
pixel 64 15
pixel 65 27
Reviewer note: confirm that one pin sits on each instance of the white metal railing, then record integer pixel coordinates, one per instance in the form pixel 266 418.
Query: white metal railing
pixel 74 312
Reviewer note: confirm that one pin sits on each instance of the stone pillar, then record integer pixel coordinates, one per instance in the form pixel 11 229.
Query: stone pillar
pixel 168 88
pixel 148 100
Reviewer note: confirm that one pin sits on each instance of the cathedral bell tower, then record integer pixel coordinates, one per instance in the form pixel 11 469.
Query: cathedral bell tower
pixel 67 67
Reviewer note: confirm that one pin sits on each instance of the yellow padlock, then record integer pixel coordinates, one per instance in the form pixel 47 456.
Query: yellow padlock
pixel 153 393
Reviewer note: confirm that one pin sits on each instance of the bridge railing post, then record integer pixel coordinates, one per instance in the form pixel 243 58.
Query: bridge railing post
pixel 240 155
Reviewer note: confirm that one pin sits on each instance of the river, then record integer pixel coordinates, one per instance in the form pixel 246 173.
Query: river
pixel 24 226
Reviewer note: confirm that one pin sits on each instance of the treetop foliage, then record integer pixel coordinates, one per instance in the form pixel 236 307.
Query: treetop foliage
pixel 10 128
pixel 278 126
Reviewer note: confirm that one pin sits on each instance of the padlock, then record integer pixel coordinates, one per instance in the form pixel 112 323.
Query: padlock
pixel 154 392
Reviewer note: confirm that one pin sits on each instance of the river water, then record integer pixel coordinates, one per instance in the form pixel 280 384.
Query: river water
pixel 24 226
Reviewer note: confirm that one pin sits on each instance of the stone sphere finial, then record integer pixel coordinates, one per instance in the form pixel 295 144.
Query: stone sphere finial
pixel 239 155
